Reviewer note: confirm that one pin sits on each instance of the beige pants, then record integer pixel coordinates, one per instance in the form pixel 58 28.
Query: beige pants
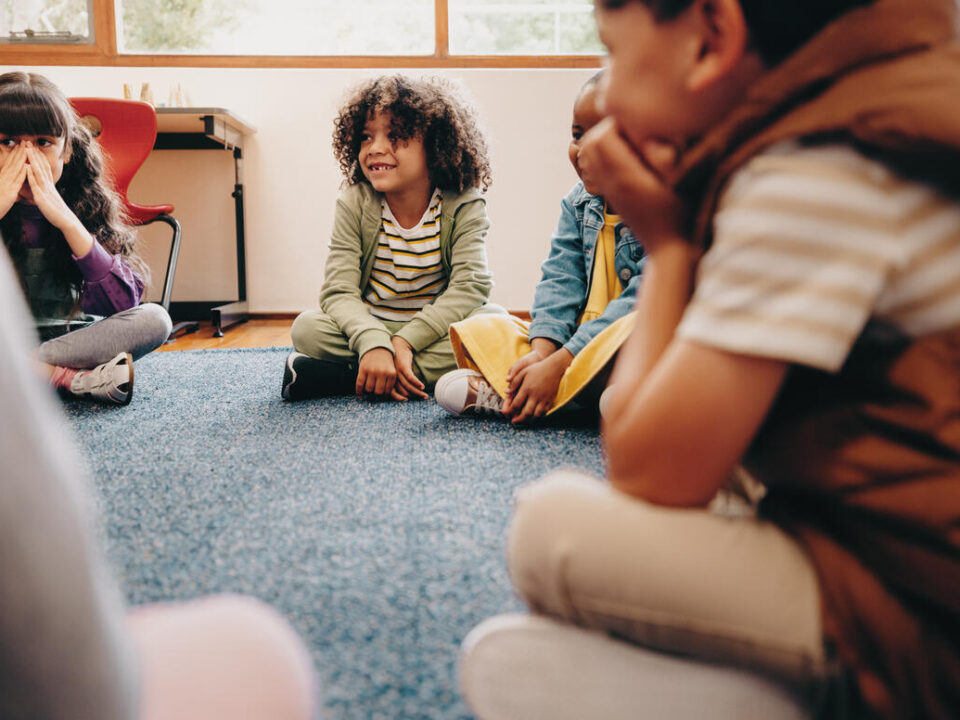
pixel 738 591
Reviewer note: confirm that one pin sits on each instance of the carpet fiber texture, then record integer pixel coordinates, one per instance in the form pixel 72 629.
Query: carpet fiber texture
pixel 376 528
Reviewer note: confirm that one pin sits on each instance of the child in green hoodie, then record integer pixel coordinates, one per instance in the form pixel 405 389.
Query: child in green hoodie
pixel 407 255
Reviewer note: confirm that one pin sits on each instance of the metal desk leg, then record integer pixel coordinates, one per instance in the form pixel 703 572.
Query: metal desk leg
pixel 223 316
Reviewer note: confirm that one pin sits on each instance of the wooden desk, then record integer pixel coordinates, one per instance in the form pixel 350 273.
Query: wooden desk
pixel 205 128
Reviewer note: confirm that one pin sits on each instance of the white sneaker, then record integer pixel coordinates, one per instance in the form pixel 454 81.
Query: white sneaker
pixel 464 391
pixel 111 382
pixel 526 666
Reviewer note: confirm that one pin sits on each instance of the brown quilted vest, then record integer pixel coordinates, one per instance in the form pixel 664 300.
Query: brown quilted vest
pixel 863 465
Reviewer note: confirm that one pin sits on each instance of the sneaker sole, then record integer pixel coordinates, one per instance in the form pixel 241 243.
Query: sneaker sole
pixel 289 377
pixel 128 361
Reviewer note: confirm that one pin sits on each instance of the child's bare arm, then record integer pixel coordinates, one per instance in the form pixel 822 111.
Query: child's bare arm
pixel 683 431
pixel 664 293
pixel 682 414
pixel 634 184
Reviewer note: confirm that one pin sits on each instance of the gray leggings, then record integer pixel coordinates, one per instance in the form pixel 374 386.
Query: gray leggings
pixel 137 331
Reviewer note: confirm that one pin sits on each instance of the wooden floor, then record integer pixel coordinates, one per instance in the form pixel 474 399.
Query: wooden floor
pixel 253 333
pixel 260 332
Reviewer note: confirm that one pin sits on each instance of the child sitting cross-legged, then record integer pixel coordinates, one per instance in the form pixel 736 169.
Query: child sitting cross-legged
pixel 407 255
pixel 63 227
pixel 810 151
pixel 580 315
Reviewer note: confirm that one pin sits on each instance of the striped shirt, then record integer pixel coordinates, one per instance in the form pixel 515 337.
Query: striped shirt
pixel 811 243
pixel 407 273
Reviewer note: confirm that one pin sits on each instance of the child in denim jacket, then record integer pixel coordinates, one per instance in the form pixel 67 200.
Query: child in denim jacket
pixel 581 311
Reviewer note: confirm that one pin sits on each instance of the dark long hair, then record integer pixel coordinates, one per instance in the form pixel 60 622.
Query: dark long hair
pixel 32 105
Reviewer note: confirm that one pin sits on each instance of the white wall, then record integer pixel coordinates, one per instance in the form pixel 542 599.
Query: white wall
pixel 291 180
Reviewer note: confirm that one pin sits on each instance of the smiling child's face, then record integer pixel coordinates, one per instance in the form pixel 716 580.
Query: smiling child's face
pixel 585 116
pixel 392 167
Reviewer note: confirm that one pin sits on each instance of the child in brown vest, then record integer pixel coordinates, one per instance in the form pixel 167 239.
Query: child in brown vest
pixel 793 168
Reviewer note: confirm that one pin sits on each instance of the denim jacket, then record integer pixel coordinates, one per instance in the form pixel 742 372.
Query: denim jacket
pixel 564 286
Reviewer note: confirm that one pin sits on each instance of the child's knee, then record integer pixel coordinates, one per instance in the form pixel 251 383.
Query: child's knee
pixel 234 654
pixel 301 333
pixel 313 332
pixel 281 655
pixel 545 532
pixel 154 328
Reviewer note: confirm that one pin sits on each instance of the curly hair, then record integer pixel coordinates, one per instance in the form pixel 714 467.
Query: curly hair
pixel 32 105
pixel 432 109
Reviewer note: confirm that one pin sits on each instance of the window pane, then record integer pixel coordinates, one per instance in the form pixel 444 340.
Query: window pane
pixel 277 27
pixel 538 27
pixel 46 21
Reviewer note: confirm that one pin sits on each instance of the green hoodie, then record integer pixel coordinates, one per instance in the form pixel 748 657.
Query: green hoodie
pixel 353 247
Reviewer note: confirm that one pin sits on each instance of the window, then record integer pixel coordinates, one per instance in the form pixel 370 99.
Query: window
pixel 46 21
pixel 547 27
pixel 277 27
pixel 300 33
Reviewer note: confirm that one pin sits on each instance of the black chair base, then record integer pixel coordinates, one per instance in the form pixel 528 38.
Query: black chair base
pixel 183 328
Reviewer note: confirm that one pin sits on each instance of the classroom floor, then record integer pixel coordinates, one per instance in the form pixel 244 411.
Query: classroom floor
pixel 253 333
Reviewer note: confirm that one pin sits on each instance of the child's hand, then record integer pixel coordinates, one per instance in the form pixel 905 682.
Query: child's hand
pixel 408 385
pixel 376 374
pixel 45 194
pixel 536 387
pixel 12 176
pixel 633 182
pixel 540 349
pixel 47 198
pixel 526 361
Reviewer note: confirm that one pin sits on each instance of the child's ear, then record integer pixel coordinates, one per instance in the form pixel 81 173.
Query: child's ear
pixel 724 39
pixel 67 152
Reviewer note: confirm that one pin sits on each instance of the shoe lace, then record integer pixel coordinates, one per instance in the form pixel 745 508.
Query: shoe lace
pixel 487 398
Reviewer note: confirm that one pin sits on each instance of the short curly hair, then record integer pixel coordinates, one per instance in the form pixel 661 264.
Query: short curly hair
pixel 433 109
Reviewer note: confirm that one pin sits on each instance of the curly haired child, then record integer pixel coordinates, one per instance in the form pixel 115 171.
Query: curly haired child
pixel 580 315
pixel 407 255
pixel 810 151
pixel 63 229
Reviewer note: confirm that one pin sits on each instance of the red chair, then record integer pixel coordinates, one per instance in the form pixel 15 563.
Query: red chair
pixel 126 133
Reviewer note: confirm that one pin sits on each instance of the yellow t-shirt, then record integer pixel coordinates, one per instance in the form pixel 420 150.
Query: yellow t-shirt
pixel 605 284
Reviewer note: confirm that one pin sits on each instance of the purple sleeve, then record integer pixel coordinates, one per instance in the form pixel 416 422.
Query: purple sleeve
pixel 111 284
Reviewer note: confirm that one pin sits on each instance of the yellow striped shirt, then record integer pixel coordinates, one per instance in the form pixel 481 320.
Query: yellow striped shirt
pixel 407 273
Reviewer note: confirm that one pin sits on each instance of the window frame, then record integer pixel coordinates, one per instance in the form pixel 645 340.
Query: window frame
pixel 103 52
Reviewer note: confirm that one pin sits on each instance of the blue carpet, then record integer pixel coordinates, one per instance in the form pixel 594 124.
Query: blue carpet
pixel 376 528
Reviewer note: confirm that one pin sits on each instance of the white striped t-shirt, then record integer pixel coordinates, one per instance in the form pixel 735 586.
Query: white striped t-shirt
pixel 407 273
pixel 810 243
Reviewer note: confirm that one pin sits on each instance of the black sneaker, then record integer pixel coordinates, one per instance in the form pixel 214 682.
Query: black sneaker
pixel 306 377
